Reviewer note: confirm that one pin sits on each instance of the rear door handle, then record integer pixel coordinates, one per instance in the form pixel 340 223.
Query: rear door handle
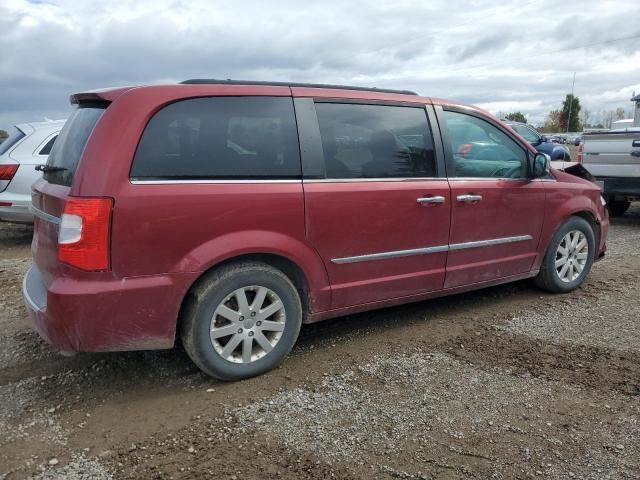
pixel 428 200
pixel 469 198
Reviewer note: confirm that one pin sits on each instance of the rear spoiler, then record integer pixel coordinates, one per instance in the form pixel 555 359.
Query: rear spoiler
pixel 98 98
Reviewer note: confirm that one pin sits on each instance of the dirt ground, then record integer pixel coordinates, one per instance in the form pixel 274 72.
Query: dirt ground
pixel 508 382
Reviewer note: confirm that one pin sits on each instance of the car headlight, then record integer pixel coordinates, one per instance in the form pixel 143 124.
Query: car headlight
pixel 603 201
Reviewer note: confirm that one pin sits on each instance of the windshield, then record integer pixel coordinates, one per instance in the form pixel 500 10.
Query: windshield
pixel 15 136
pixel 69 145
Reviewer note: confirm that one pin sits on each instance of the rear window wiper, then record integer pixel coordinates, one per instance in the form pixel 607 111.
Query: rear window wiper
pixel 49 168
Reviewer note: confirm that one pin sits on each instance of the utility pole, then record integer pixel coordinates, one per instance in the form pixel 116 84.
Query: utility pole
pixel 571 101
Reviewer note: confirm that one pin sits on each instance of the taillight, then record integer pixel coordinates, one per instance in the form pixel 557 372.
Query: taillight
pixel 8 171
pixel 83 239
pixel 580 147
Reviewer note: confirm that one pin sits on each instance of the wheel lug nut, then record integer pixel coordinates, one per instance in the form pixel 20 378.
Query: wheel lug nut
pixel 258 323
pixel 253 314
pixel 239 330
pixel 241 318
pixel 251 334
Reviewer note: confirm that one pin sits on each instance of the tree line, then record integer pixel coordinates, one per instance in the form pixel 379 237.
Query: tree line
pixel 572 117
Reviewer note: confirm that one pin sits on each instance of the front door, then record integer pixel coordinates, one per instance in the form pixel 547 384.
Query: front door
pixel 376 210
pixel 497 212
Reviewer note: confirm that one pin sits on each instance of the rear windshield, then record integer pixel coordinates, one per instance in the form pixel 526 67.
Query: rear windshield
pixel 68 147
pixel 14 137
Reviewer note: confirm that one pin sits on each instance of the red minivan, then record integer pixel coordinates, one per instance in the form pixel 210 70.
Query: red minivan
pixel 229 213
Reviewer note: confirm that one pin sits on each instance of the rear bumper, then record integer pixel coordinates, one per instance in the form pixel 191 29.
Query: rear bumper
pixel 624 186
pixel 18 212
pixel 106 314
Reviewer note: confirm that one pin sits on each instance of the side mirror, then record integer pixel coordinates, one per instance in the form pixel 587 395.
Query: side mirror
pixel 543 139
pixel 541 164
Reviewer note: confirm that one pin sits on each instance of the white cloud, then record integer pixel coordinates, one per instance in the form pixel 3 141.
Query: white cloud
pixel 515 56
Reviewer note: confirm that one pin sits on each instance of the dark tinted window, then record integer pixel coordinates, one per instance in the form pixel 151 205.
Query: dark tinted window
pixel 46 150
pixel 220 138
pixel 68 147
pixel 482 150
pixel 14 137
pixel 375 141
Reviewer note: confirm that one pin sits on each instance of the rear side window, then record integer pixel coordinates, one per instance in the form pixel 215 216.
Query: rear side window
pixel 220 138
pixel 68 147
pixel 46 150
pixel 375 141
pixel 14 137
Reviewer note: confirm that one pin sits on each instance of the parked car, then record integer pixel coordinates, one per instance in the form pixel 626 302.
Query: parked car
pixel 575 139
pixel 542 143
pixel 228 214
pixel 613 158
pixel 28 145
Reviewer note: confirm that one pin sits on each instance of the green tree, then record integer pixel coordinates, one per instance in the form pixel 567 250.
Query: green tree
pixel 516 117
pixel 570 118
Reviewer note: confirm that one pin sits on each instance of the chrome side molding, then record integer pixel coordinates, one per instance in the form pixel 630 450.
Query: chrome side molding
pixel 387 255
pixel 428 250
pixel 44 216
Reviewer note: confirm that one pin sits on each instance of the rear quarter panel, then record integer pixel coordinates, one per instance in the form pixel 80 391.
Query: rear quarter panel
pixel 190 227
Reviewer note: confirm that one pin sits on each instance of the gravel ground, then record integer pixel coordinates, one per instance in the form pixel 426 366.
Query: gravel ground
pixel 508 382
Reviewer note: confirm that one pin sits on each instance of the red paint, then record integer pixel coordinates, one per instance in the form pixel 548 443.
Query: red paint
pixel 164 237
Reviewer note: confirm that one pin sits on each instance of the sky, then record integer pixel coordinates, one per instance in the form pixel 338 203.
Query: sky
pixel 501 56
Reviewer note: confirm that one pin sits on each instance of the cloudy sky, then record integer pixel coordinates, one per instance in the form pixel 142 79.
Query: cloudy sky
pixel 503 56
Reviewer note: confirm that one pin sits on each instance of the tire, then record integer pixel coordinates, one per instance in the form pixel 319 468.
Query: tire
pixel 209 341
pixel 617 208
pixel 557 280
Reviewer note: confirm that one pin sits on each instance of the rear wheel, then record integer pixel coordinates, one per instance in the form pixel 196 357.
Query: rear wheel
pixel 569 257
pixel 617 208
pixel 241 321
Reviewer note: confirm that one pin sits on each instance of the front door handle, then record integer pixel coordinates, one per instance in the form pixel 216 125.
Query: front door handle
pixel 469 198
pixel 428 200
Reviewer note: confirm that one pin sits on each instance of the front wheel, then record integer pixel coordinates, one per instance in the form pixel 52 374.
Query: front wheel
pixel 569 258
pixel 241 320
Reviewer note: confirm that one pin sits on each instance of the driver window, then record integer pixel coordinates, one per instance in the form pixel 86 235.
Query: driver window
pixel 481 150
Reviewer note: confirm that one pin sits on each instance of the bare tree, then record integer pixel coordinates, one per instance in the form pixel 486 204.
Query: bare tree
pixel 585 116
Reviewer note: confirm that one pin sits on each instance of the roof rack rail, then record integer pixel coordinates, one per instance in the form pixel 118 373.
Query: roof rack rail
pixel 214 81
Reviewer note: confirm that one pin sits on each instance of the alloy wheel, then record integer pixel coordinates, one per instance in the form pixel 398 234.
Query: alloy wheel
pixel 247 324
pixel 571 256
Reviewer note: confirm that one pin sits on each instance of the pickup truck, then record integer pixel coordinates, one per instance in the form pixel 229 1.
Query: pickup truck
pixel 613 158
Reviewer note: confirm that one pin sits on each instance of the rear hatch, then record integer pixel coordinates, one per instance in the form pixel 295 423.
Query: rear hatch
pixel 52 192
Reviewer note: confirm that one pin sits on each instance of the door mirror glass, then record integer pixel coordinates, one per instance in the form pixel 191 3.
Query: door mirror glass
pixel 541 163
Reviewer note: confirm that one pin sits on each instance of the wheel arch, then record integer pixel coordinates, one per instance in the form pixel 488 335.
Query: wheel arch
pixel 580 211
pixel 310 299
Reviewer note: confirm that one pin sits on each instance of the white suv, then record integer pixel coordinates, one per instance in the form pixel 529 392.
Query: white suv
pixel 28 145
